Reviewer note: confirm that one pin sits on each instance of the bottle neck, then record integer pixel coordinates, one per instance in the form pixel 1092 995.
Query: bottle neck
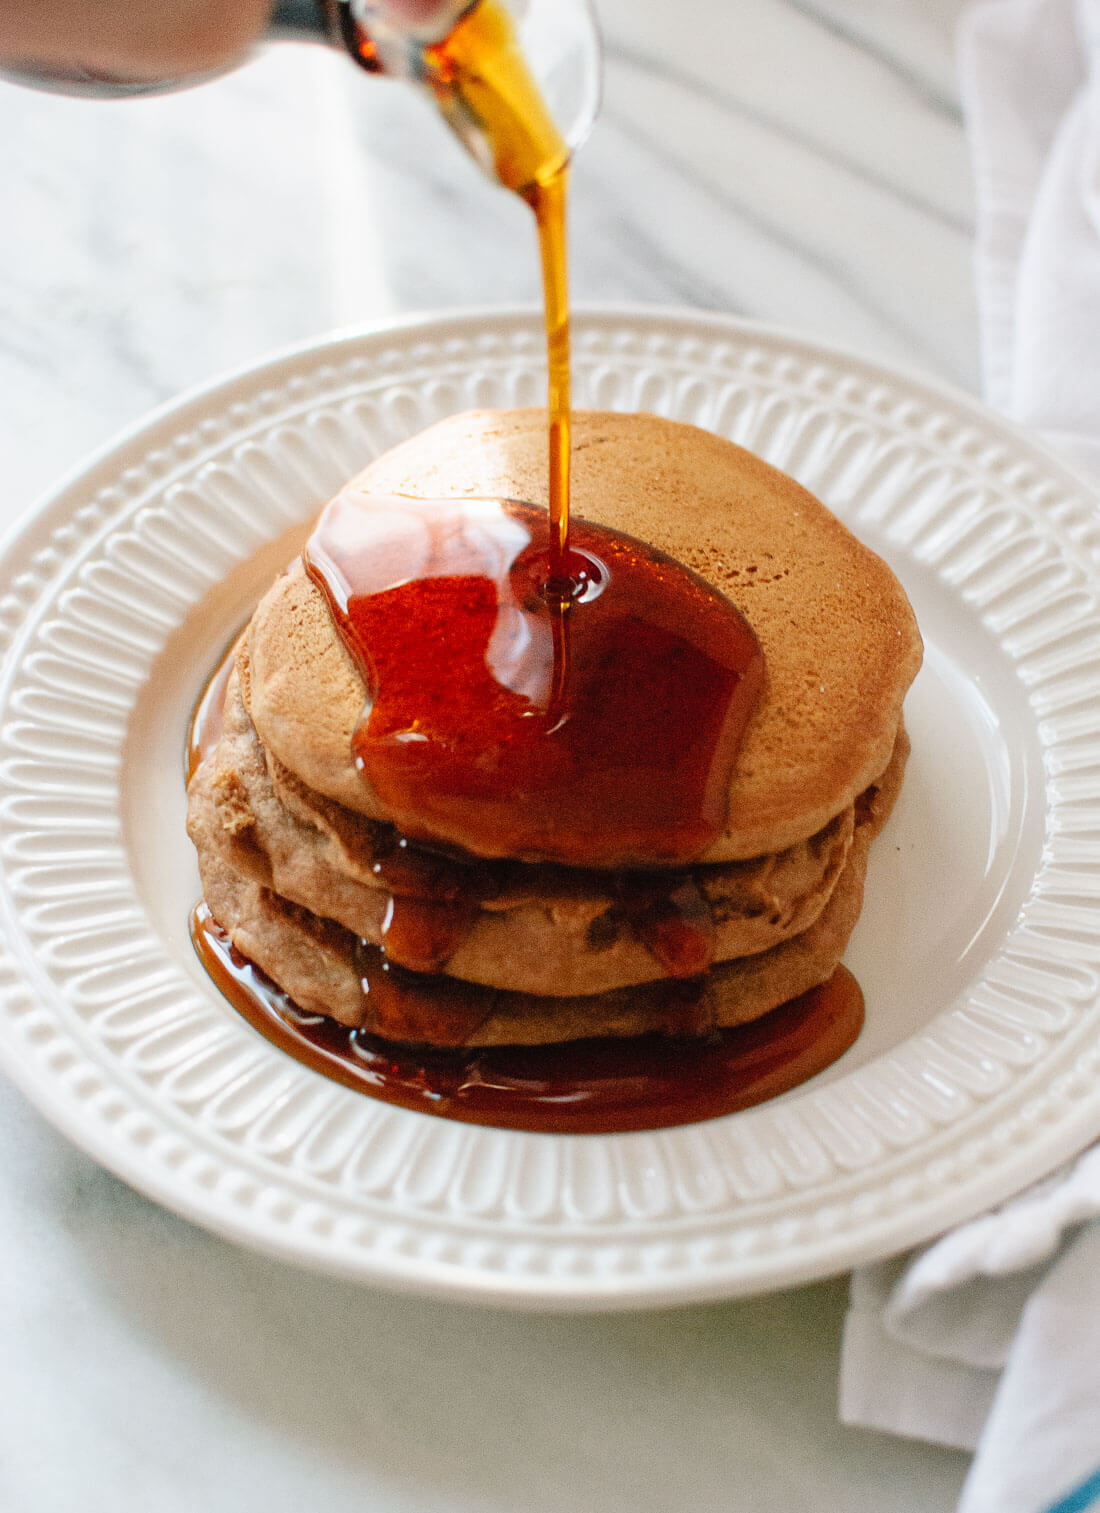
pixel 304 21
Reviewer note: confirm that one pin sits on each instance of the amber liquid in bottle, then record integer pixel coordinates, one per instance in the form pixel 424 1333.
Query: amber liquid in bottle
pixel 480 69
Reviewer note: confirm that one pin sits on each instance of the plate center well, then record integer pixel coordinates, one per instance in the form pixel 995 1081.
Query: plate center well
pixel 951 870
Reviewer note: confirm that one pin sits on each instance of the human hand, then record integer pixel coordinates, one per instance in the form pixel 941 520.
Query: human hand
pixel 157 39
pixel 152 40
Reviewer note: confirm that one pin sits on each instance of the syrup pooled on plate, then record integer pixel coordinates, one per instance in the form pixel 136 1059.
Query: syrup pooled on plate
pixel 205 729
pixel 584 1087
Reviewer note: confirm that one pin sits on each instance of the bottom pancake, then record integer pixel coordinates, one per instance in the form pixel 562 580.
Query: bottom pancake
pixel 595 1086
pixel 320 965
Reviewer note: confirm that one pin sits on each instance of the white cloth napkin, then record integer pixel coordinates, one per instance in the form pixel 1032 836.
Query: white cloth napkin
pixel 990 1337
pixel 1030 75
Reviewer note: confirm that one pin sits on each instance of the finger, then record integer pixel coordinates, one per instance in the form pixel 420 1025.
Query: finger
pixel 158 39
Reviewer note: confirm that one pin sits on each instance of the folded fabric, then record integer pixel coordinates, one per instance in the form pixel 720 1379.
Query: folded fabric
pixel 990 1337
pixel 1030 76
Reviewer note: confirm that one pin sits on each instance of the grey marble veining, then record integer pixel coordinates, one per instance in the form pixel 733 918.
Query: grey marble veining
pixel 796 161
pixel 149 1365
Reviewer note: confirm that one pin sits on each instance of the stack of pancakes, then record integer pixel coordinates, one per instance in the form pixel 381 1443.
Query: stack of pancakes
pixel 288 831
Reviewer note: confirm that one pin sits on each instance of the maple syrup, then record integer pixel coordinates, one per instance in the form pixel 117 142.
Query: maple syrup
pixel 435 892
pixel 205 729
pixel 548 202
pixel 484 87
pixel 610 746
pixel 541 690
pixel 583 1087
pixel 481 66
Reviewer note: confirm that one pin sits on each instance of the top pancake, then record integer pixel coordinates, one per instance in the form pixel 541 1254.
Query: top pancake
pixel 838 635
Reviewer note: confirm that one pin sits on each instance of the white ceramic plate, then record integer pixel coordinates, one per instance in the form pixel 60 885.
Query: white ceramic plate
pixel 978 948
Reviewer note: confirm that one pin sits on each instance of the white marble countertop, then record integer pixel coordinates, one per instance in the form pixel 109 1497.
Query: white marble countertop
pixel 798 161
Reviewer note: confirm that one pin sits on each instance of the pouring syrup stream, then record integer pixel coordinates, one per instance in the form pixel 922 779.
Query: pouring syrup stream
pixel 485 89
pixel 482 62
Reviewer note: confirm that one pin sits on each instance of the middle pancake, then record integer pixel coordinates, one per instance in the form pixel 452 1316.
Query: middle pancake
pixel 538 928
